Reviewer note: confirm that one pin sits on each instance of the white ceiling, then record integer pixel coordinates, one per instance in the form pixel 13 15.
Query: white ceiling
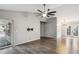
pixel 27 7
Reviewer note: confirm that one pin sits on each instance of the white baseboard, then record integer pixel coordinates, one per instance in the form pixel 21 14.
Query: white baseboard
pixel 26 42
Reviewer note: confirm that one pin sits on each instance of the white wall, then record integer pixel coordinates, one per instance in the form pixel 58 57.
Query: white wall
pixel 21 22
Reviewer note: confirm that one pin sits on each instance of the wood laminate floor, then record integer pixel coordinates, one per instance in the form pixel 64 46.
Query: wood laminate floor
pixel 42 46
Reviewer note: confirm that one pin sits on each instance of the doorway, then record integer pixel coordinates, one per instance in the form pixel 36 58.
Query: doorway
pixel 5 33
pixel 42 29
pixel 48 28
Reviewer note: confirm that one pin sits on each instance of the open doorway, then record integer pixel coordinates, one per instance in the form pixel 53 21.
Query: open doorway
pixel 48 28
pixel 42 29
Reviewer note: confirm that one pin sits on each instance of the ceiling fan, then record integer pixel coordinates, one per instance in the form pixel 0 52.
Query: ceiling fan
pixel 46 13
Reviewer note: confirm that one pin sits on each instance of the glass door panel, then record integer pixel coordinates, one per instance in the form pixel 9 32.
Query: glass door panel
pixel 5 34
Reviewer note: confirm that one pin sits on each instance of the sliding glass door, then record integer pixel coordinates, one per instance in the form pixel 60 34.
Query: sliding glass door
pixel 5 33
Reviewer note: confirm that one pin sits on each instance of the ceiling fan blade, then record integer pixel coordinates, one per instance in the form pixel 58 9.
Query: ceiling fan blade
pixel 48 16
pixel 38 14
pixel 40 11
pixel 53 12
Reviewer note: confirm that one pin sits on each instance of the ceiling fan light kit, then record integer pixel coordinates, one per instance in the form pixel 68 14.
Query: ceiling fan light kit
pixel 46 13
